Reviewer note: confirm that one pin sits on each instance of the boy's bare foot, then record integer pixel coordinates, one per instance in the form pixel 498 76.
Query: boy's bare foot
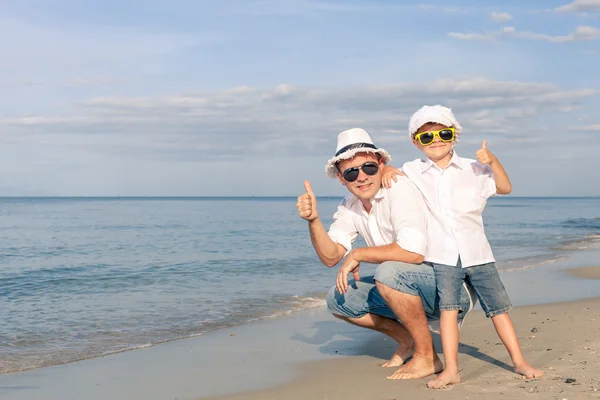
pixel 528 371
pixel 444 379
pixel 418 367
pixel 400 357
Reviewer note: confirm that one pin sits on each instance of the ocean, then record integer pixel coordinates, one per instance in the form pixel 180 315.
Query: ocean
pixel 85 277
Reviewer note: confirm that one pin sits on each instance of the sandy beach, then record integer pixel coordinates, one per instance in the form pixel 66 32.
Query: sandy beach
pixel 311 355
pixel 586 272
pixel 563 339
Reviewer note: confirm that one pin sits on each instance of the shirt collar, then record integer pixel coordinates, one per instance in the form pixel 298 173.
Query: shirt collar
pixel 455 161
pixel 379 195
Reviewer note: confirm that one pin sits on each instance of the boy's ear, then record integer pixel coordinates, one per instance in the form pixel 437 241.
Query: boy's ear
pixel 341 179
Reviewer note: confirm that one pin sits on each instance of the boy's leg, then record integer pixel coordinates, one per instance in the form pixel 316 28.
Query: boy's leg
pixel 506 332
pixel 449 280
pixel 496 304
pixel 411 293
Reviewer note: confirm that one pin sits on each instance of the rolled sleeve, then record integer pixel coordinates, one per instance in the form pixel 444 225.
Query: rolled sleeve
pixel 343 230
pixel 488 182
pixel 409 216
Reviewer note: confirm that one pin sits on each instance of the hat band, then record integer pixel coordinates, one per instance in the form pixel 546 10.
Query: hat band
pixel 355 146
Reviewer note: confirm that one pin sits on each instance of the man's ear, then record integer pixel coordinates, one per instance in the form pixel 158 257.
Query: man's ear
pixel 341 179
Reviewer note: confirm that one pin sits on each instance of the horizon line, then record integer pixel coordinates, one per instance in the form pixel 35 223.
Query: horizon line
pixel 230 197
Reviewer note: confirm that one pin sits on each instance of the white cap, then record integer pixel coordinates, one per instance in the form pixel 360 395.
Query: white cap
pixel 437 114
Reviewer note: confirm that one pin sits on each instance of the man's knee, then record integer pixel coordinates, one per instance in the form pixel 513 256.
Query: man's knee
pixel 397 276
pixel 331 300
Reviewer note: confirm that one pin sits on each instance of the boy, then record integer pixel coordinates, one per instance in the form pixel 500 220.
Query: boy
pixel 456 191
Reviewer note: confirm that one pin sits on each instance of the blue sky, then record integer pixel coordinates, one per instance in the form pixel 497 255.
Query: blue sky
pixel 246 97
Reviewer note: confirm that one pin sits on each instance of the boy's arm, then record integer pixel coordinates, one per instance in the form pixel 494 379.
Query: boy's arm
pixel 389 174
pixel 486 157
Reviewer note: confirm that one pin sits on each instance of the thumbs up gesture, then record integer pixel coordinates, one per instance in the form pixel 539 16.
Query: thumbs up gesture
pixel 484 156
pixel 307 204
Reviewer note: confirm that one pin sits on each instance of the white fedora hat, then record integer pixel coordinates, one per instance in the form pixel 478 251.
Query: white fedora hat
pixel 437 114
pixel 349 143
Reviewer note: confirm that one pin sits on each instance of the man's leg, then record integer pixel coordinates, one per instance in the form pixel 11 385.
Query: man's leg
pixel 410 291
pixel 362 305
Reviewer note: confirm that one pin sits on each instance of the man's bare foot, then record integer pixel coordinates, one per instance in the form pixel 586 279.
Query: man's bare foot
pixel 400 357
pixel 444 379
pixel 528 371
pixel 418 367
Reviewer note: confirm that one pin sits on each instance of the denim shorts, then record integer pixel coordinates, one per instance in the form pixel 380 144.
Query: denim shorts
pixel 363 297
pixel 484 279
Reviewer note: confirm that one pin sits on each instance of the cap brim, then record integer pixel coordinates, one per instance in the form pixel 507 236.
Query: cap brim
pixel 331 170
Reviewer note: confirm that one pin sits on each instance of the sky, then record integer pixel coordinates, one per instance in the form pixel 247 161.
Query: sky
pixel 247 97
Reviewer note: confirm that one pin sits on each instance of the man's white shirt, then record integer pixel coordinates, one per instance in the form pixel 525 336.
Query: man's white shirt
pixel 398 215
pixel 456 198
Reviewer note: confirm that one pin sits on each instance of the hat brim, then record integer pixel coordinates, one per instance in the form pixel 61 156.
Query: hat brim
pixel 331 170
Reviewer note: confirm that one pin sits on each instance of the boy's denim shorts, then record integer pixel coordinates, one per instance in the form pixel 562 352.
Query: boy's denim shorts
pixel 484 279
pixel 363 297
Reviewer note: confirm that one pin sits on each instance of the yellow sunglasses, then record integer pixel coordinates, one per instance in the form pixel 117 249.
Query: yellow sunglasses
pixel 427 138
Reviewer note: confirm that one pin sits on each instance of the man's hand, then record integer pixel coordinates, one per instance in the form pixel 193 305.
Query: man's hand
pixel 307 204
pixel 389 174
pixel 349 265
pixel 484 156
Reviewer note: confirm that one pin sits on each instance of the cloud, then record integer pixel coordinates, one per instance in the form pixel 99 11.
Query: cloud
pixel 286 120
pixel 95 80
pixel 446 10
pixel 24 82
pixel 589 128
pixel 500 17
pixel 580 6
pixel 582 33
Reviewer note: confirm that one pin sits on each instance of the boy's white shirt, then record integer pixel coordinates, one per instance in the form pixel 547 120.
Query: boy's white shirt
pixel 456 198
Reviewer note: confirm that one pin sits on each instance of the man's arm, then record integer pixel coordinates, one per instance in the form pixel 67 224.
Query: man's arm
pixel 381 254
pixel 329 252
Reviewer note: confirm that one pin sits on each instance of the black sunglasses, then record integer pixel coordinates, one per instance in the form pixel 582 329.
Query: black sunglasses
pixel 369 168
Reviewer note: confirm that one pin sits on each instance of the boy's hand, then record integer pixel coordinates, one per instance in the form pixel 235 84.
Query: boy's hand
pixel 484 156
pixel 388 174
pixel 307 204
pixel 350 265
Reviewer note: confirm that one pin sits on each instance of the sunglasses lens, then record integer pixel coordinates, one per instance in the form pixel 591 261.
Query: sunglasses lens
pixel 370 168
pixel 446 134
pixel 350 174
pixel 426 138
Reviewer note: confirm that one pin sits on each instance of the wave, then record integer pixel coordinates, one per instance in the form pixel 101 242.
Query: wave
pixel 32 358
pixel 528 263
pixel 582 223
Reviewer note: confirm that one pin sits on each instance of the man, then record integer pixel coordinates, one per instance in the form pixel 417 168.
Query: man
pixel 393 224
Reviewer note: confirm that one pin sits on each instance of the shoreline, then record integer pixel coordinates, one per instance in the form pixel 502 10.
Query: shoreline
pixel 272 352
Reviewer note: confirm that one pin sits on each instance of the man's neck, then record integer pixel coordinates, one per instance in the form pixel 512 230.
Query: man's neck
pixel 367 205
